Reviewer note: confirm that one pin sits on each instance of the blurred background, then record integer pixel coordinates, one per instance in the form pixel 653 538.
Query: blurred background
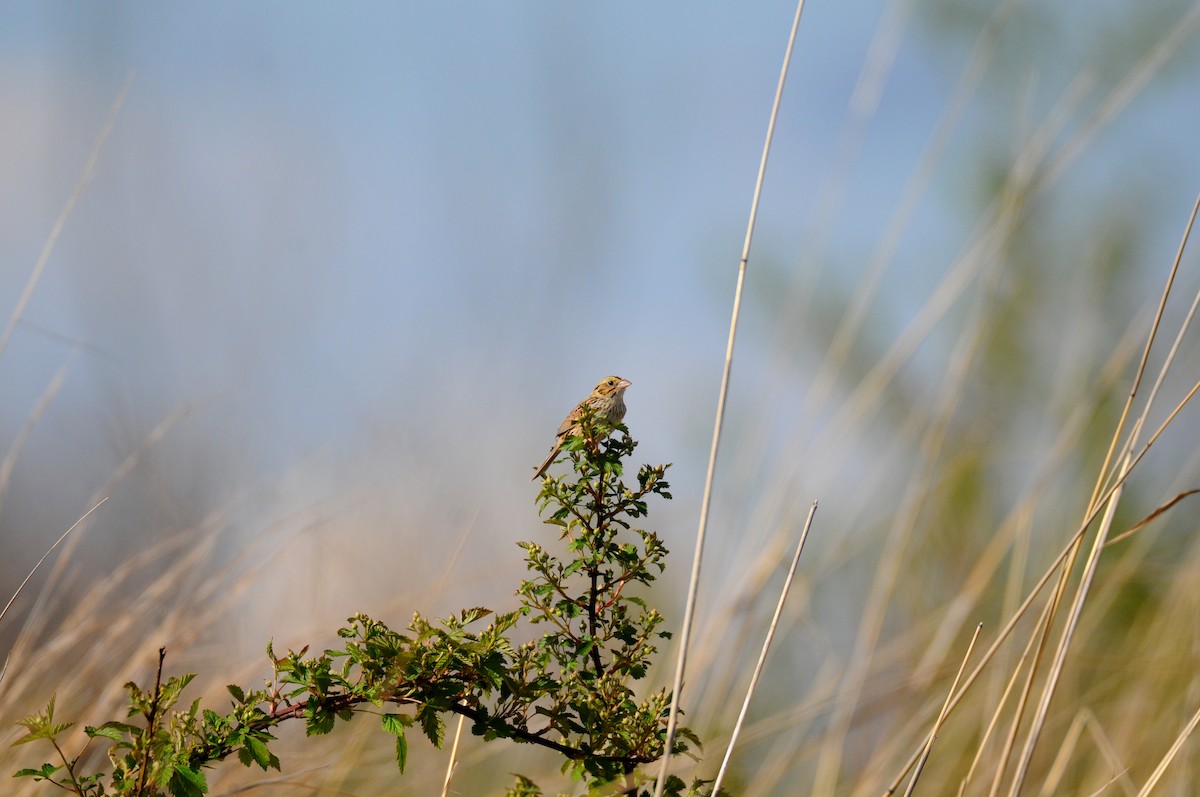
pixel 338 274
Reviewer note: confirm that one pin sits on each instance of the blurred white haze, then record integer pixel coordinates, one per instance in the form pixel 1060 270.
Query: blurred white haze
pixel 362 258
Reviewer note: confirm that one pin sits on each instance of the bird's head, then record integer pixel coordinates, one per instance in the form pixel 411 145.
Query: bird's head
pixel 611 386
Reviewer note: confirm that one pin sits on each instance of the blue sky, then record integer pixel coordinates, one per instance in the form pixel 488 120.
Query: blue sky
pixel 430 228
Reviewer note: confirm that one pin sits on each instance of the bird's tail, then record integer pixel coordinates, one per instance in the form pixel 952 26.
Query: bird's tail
pixel 542 468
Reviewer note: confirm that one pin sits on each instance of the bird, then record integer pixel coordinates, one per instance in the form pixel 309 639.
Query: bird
pixel 607 402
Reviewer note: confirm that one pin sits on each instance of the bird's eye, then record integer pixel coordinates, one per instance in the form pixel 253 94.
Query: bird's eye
pixel 611 383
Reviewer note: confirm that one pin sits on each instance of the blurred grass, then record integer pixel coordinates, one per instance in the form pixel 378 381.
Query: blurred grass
pixel 952 431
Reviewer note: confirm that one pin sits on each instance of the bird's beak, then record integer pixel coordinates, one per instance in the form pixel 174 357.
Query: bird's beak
pixel 624 383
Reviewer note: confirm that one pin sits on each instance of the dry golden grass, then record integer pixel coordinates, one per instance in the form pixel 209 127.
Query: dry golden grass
pixel 983 465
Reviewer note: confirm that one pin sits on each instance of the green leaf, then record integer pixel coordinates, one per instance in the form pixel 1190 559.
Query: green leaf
pixel 433 726
pixel 401 752
pixel 43 732
pixel 524 787
pixel 687 733
pixel 320 720
pixel 118 732
pixel 238 693
pixel 41 726
pixel 38 774
pixel 673 786
pixel 395 723
pixel 187 782
pixel 471 615
pixel 259 753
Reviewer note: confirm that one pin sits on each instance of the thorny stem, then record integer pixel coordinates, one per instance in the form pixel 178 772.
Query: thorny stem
pixel 594 569
pixel 346 702
pixel 150 720
pixel 595 572
pixel 70 770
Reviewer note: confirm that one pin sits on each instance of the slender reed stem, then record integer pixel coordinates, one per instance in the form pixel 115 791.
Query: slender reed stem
pixel 1099 501
pixel 453 756
pixel 994 721
pixel 88 170
pixel 1110 503
pixel 49 550
pixel 1060 653
pixel 762 656
pixel 937 726
pixel 1170 756
pixel 694 583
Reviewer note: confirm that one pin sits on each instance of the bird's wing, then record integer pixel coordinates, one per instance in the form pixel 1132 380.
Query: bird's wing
pixel 572 418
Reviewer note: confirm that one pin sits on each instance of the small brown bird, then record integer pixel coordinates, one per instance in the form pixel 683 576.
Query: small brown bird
pixel 607 402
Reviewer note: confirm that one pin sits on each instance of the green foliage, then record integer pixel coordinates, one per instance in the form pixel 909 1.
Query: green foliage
pixel 569 689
